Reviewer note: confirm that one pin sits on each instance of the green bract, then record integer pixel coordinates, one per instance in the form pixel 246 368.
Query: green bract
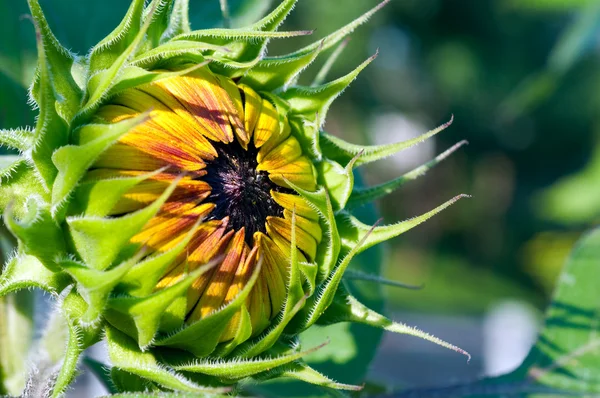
pixel 91 199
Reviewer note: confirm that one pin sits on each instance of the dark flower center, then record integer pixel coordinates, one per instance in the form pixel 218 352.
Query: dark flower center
pixel 239 190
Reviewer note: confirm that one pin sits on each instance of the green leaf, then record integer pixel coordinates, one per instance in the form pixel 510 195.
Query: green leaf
pixel 567 353
pixel 565 361
pixel 126 355
pixel 16 335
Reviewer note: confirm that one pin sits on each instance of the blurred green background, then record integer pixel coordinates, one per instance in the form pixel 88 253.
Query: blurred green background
pixel 521 78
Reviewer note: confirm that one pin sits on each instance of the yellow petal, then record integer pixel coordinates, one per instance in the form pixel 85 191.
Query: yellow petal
pixel 126 157
pixel 252 108
pixel 286 152
pixel 292 201
pixel 267 124
pixel 285 245
pixel 214 295
pixel 299 172
pixel 202 95
pixel 235 109
pixel 210 232
pixel 304 240
pixel 310 226
pixel 277 138
pixel 275 264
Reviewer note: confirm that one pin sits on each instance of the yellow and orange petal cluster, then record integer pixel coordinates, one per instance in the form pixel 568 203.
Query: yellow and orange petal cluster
pixel 234 154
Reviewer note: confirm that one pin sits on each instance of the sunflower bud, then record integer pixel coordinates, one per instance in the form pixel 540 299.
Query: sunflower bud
pixel 178 189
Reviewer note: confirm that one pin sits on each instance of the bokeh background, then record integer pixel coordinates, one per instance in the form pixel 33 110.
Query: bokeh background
pixel 521 78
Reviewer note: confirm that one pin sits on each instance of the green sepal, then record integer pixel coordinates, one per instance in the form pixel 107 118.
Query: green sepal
pixel 244 50
pixel 9 165
pixel 126 355
pixel 130 383
pixel 110 49
pixel 160 21
pixel 338 180
pixel 51 131
pixel 73 161
pixel 343 152
pixel 180 49
pixel 96 198
pixel 243 333
pixel 100 240
pixel 318 303
pixel 362 196
pixel 74 307
pixel 19 139
pixel 141 280
pixel 314 102
pixel 270 74
pixel 202 336
pixel 147 312
pixel 110 56
pixel 178 20
pixel 235 368
pixel 346 308
pixel 95 286
pixel 352 230
pixel 295 300
pixel 134 76
pixel 339 35
pixel 36 226
pixel 329 249
pixel 72 352
pixel 19 181
pixel 308 134
pixel 324 71
pixel 223 37
pixel 298 370
pixel 58 61
pixel 24 272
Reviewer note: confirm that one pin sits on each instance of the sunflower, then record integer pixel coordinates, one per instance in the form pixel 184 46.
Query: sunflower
pixel 180 195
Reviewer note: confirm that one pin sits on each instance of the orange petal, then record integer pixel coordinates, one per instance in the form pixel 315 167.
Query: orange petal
pixel 202 96
pixel 214 295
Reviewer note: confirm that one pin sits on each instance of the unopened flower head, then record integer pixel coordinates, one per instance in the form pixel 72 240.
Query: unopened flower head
pixel 179 191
